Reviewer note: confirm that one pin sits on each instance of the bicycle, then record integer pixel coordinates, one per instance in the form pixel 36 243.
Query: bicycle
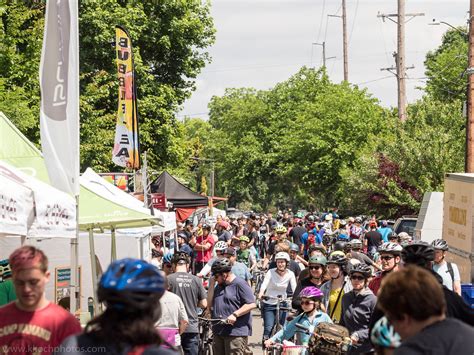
pixel 205 334
pixel 289 348
pixel 280 299
pixel 257 277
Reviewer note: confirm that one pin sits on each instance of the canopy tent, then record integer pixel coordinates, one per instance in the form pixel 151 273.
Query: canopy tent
pixel 95 210
pixel 185 201
pixel 49 213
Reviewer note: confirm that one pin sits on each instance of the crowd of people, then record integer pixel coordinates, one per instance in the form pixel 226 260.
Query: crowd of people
pixel 327 285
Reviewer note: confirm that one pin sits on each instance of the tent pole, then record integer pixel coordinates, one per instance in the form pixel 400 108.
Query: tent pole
pixel 114 245
pixel 75 300
pixel 94 269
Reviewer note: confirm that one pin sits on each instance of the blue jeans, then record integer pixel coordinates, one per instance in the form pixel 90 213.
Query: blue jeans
pixel 190 343
pixel 269 317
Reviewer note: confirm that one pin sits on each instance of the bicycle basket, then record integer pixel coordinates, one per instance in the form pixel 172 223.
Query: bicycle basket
pixel 329 339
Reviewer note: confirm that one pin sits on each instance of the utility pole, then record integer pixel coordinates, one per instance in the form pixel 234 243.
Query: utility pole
pixel 324 52
pixel 400 55
pixel 469 166
pixel 344 40
pixel 401 76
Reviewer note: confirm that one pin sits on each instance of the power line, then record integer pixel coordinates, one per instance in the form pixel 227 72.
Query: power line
pixel 321 20
pixel 374 80
pixel 354 21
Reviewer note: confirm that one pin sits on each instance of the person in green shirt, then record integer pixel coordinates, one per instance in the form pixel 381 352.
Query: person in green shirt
pixel 7 291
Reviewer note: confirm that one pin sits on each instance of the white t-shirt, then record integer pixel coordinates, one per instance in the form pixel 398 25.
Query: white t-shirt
pixel 442 270
pixel 275 285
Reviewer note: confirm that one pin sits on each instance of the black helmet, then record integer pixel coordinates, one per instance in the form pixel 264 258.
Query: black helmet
pixel 340 245
pixel 221 265
pixel 180 256
pixel 418 253
pixel 338 258
pixel 440 244
pixel 361 268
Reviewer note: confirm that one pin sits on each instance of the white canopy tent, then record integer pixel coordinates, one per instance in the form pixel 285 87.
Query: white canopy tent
pixel 32 208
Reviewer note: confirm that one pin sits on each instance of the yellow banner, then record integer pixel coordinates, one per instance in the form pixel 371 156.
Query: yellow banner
pixel 126 152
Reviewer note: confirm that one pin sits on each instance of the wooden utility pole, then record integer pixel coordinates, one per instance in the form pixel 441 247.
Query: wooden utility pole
pixel 344 39
pixel 470 97
pixel 400 56
pixel 402 89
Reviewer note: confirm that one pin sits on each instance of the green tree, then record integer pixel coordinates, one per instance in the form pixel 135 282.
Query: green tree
pixel 446 66
pixel 169 45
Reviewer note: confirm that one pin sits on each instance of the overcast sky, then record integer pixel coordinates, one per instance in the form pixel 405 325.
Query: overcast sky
pixel 262 42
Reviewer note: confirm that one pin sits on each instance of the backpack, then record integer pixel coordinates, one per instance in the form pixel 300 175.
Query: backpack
pixel 329 339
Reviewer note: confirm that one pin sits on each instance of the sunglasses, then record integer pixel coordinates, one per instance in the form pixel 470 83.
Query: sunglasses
pixel 317 267
pixel 306 303
pixel 386 257
pixel 218 252
pixel 360 278
pixel 166 265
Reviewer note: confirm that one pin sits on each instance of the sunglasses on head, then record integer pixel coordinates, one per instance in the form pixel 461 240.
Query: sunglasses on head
pixel 307 303
pixel 357 277
pixel 314 267
pixel 387 257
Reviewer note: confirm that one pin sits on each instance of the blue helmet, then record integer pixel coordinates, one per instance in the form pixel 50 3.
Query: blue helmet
pixel 131 282
pixel 167 258
pixel 384 335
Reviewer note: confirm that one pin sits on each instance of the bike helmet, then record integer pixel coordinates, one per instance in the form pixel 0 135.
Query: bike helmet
pixel 221 265
pixel 318 259
pixel 310 218
pixel 338 258
pixel 355 244
pixel 206 227
pixel 244 239
pixel 390 248
pixel 167 258
pixel 280 230
pixel 358 220
pixel 404 238
pixel 342 238
pixel 342 223
pixel 180 256
pixel 418 253
pixel 183 235
pixel 294 247
pixel 384 335
pixel 340 246
pixel 282 255
pixel 311 292
pixel 361 268
pixel 130 284
pixel 318 247
pixel 440 244
pixel 328 217
pixel 351 219
pixel 220 246
pixel 5 270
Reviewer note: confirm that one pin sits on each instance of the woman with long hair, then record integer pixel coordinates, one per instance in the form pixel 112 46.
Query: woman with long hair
pixel 131 290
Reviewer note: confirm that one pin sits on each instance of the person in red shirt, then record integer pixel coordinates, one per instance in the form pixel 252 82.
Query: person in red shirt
pixel 32 324
pixel 203 247
pixel 390 254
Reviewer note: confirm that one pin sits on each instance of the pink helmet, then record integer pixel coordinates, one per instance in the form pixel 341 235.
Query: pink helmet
pixel 311 292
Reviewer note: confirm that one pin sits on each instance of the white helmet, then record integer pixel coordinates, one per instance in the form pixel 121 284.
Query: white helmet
pixel 282 255
pixel 328 217
pixel 220 245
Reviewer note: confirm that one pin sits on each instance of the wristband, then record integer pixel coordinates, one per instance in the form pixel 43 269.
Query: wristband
pixel 235 315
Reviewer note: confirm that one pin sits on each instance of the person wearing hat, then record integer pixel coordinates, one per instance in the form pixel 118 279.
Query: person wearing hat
pixel 183 243
pixel 7 291
pixel 238 269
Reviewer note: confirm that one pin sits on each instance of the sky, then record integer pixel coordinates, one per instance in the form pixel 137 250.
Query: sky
pixel 262 42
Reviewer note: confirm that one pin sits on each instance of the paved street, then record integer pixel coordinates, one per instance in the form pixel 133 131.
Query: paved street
pixel 255 341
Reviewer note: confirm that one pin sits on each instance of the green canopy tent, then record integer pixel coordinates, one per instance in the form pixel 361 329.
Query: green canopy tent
pixel 95 211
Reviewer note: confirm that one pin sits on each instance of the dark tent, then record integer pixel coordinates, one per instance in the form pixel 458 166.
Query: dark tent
pixel 177 193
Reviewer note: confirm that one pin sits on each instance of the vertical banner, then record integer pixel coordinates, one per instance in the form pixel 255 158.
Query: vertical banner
pixel 126 150
pixel 59 83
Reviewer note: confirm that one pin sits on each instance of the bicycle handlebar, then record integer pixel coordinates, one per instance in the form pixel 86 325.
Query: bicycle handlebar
pixel 278 298
pixel 210 320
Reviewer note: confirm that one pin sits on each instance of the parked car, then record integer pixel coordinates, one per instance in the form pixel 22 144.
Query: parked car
pixel 405 224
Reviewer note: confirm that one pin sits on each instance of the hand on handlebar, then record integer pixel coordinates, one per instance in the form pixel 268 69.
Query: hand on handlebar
pixel 231 319
pixel 268 343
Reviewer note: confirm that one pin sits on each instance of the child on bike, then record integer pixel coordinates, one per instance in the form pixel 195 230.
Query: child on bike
pixel 311 298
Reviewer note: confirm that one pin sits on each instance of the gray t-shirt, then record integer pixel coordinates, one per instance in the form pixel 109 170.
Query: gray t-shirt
pixel 172 311
pixel 191 291
pixel 227 300
pixel 241 270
